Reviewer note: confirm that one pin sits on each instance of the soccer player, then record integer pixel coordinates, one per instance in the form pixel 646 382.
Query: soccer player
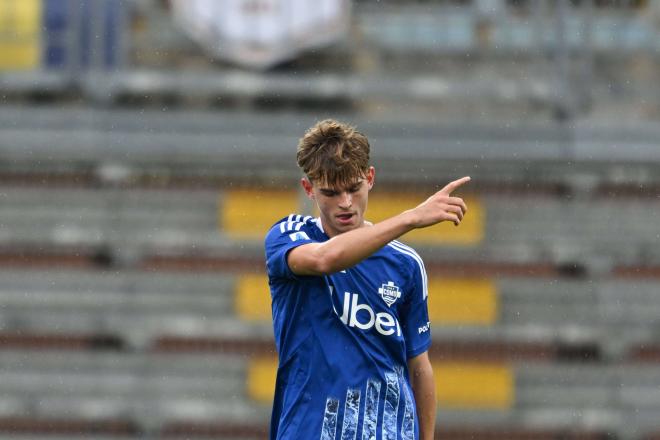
pixel 349 303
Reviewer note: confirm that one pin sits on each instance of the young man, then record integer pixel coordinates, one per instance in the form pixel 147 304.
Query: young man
pixel 349 303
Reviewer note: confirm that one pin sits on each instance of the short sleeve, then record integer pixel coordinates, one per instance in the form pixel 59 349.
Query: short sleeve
pixel 416 323
pixel 281 238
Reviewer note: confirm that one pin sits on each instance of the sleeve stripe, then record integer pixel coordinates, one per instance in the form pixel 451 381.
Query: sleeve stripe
pixel 410 252
pixel 290 226
pixel 294 221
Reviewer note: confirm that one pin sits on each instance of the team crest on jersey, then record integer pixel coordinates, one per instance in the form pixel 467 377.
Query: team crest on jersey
pixel 390 293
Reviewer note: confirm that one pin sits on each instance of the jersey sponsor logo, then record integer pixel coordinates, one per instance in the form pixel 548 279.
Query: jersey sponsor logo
pixel 298 236
pixel 423 329
pixel 390 293
pixel 362 316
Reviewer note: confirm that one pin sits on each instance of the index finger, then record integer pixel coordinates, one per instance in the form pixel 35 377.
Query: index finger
pixel 452 186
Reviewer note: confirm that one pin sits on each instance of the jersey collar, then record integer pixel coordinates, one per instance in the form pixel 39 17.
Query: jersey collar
pixel 319 225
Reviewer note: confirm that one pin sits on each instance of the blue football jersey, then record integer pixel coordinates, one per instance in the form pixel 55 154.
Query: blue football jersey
pixel 344 340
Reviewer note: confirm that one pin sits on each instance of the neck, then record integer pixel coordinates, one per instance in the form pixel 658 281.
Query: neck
pixel 332 233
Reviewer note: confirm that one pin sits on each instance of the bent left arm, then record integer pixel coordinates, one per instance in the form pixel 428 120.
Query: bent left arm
pixel 423 386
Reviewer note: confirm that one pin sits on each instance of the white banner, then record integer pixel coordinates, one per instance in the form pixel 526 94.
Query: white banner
pixel 262 33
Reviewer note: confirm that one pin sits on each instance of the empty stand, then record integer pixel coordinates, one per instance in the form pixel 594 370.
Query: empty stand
pixel 135 306
pixel 204 345
pixel 146 390
pixel 505 229
pixel 138 178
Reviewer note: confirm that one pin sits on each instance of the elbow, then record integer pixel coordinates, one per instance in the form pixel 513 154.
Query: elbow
pixel 426 371
pixel 421 371
pixel 420 366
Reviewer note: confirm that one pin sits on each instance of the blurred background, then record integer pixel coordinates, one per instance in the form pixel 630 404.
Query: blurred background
pixel 146 146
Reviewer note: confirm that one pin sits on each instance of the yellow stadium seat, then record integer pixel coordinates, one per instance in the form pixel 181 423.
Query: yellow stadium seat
pixel 471 231
pixel 20 34
pixel 261 376
pixel 465 301
pixel 249 213
pixel 474 385
pixel 252 297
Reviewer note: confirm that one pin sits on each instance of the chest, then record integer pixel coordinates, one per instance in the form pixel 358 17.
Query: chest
pixel 379 282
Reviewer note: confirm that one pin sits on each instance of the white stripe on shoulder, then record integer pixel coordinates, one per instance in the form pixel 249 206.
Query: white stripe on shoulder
pixel 293 221
pixel 406 247
pixel 407 250
pixel 413 253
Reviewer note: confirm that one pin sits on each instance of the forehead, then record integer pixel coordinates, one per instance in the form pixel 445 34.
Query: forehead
pixel 339 185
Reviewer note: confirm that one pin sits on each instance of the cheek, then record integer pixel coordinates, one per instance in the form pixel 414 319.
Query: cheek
pixel 323 205
pixel 361 201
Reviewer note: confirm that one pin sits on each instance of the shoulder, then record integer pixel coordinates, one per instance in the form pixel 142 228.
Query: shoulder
pixel 291 224
pixel 412 260
pixel 405 253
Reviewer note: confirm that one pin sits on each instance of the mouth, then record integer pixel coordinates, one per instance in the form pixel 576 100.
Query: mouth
pixel 345 217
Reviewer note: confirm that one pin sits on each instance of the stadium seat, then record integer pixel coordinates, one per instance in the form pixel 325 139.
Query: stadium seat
pixel 384 204
pixel 249 213
pixel 462 301
pixel 20 43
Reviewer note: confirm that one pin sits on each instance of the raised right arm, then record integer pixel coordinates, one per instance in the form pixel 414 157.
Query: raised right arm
pixel 347 249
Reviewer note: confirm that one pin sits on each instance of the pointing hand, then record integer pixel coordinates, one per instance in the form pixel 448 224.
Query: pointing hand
pixel 441 206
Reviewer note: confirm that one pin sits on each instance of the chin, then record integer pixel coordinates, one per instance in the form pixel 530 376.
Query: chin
pixel 350 227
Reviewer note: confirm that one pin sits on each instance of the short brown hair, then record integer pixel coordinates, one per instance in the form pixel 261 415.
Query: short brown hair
pixel 333 153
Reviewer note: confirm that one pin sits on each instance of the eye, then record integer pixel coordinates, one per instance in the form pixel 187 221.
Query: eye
pixel 328 193
pixel 354 189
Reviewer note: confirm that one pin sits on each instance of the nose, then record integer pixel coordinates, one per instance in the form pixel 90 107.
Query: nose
pixel 345 200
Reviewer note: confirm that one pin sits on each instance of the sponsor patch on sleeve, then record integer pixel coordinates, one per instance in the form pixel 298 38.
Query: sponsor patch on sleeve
pixel 298 236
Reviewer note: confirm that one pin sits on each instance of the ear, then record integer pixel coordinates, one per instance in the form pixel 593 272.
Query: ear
pixel 371 177
pixel 307 186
